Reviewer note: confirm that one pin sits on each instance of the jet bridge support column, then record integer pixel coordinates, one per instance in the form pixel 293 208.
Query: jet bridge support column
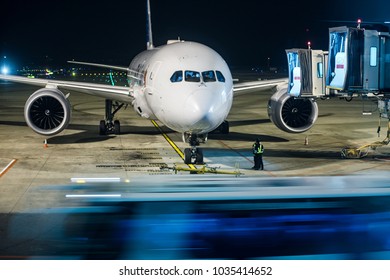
pixel 362 151
pixel 384 111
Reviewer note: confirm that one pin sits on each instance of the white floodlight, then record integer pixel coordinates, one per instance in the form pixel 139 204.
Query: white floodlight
pixel 4 70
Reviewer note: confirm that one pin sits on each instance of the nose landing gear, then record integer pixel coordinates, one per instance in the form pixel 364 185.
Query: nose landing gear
pixel 194 155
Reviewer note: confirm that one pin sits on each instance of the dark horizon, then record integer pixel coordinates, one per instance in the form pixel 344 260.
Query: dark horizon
pixel 245 34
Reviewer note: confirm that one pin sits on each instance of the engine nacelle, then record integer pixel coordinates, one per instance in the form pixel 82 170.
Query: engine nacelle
pixel 47 111
pixel 291 114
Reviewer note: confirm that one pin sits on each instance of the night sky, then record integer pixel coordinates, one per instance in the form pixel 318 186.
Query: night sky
pixel 244 32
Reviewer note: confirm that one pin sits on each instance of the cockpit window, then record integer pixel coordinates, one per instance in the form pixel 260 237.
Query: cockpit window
pixel 192 76
pixel 177 77
pixel 208 76
pixel 220 77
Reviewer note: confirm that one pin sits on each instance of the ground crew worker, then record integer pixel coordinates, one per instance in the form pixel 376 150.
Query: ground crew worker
pixel 258 150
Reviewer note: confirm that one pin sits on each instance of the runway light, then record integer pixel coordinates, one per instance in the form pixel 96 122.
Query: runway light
pixel 4 70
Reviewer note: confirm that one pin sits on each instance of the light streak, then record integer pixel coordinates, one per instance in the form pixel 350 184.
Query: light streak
pixel 95 180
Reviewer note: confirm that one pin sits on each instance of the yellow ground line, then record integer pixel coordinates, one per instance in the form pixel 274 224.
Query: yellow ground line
pixel 173 145
pixel 8 167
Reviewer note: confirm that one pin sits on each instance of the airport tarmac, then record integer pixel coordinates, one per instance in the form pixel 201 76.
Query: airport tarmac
pixel 141 149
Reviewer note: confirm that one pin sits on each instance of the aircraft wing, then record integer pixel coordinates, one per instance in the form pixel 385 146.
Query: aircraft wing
pixel 247 86
pixel 118 93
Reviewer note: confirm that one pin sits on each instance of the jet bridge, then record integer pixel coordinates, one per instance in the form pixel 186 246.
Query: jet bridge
pixel 357 64
pixel 358 61
pixel 306 69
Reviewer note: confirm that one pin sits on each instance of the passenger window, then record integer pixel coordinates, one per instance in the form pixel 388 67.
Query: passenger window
pixel 208 76
pixel 220 77
pixel 177 77
pixel 192 76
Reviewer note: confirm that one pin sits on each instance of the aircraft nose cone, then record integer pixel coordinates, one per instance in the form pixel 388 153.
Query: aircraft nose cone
pixel 200 110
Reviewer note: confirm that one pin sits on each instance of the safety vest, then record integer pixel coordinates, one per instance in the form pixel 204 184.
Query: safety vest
pixel 258 149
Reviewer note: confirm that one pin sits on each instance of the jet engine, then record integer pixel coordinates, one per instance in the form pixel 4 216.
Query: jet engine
pixel 291 114
pixel 47 111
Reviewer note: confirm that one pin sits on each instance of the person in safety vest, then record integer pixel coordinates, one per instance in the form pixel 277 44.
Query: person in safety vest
pixel 258 150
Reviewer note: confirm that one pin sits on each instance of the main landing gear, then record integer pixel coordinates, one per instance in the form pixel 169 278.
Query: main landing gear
pixel 194 155
pixel 109 126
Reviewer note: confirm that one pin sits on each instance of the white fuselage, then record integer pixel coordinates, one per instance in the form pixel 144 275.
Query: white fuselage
pixel 185 85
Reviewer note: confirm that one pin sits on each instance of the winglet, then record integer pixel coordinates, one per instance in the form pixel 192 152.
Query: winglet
pixel 149 42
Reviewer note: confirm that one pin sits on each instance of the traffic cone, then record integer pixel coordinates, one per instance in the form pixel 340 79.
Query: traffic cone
pixel 45 144
pixel 306 141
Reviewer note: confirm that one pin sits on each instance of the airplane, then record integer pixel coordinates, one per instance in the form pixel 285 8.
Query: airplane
pixel 185 85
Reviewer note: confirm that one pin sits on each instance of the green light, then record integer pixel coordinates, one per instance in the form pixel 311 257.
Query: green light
pixel 112 81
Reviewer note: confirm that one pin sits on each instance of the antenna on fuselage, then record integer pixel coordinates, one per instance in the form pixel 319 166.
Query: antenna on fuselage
pixel 149 43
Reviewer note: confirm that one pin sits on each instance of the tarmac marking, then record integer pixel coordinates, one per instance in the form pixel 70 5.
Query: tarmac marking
pixel 8 167
pixel 240 154
pixel 230 148
pixel 173 145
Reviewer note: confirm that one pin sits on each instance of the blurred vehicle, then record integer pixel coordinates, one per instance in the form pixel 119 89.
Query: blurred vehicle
pixel 218 218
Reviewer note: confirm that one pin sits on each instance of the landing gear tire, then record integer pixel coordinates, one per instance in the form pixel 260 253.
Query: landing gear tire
pixel 108 125
pixel 107 128
pixel 193 156
pixel 199 156
pixel 117 127
pixel 102 128
pixel 187 156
